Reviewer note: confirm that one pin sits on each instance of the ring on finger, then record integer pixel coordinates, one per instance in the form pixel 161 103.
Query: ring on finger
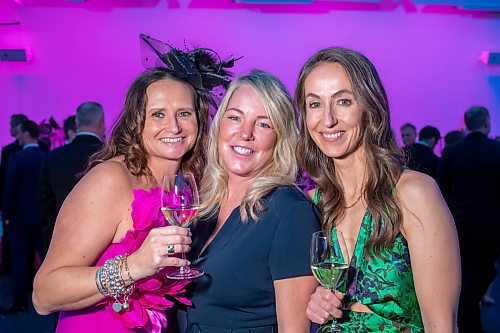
pixel 170 249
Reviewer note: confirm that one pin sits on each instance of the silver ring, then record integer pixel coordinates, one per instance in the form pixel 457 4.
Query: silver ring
pixel 170 249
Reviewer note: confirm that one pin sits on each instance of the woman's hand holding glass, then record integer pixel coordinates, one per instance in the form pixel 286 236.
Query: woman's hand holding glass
pixel 324 305
pixel 179 204
pixel 329 264
pixel 153 254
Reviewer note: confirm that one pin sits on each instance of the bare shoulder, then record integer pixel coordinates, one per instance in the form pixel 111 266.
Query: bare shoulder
pixel 415 188
pixel 422 202
pixel 107 184
pixel 112 170
pixel 107 177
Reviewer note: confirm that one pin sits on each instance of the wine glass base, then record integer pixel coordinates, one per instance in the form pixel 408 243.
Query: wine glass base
pixel 192 274
pixel 329 329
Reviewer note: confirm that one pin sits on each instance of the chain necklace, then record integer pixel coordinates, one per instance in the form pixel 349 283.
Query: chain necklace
pixel 355 202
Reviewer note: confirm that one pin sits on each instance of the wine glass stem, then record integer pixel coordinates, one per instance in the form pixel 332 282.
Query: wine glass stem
pixel 184 269
pixel 334 327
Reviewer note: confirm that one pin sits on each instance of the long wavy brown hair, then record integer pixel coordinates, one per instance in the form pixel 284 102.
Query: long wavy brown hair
pixel 126 136
pixel 383 166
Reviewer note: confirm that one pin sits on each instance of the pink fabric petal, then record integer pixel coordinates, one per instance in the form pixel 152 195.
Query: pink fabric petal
pixel 141 210
pixel 157 320
pixel 184 300
pixel 155 302
pixel 146 208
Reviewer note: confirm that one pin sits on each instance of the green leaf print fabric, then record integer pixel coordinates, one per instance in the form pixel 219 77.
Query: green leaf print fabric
pixel 384 284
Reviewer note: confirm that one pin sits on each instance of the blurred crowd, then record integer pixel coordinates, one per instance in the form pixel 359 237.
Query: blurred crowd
pixel 37 171
pixel 468 174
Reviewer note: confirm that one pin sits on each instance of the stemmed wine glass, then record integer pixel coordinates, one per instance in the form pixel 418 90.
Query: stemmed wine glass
pixel 329 264
pixel 179 205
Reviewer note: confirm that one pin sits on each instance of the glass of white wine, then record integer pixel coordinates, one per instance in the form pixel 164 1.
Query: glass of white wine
pixel 179 204
pixel 329 264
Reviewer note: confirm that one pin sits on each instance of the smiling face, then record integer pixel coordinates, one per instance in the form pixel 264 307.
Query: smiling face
pixel 170 127
pixel 246 135
pixel 333 115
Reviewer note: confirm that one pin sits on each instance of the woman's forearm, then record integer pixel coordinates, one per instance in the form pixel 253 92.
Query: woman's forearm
pixel 439 321
pixel 65 288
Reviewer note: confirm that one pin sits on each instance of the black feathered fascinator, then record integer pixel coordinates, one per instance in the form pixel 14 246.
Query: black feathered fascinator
pixel 201 67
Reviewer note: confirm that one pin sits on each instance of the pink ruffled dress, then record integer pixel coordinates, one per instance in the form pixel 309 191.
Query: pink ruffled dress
pixel 152 296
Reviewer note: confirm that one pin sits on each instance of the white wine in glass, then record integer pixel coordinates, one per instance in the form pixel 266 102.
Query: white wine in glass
pixel 179 205
pixel 329 264
pixel 180 216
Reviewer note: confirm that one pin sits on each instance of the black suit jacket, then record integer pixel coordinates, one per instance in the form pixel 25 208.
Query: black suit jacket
pixel 7 152
pixel 421 158
pixel 60 173
pixel 469 178
pixel 20 204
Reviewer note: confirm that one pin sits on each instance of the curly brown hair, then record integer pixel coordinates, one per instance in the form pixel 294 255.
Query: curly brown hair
pixel 383 157
pixel 126 136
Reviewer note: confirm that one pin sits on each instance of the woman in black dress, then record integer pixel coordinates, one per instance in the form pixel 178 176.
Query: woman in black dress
pixel 254 236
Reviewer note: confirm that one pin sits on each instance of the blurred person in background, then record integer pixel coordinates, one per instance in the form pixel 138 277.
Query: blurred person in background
pixel 469 178
pixel 21 213
pixel 420 156
pixel 408 134
pixel 69 128
pixel 7 151
pixel 64 165
pixel 46 136
pixel 452 138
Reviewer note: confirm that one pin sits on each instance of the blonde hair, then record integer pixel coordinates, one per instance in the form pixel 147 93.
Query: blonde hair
pixel 283 168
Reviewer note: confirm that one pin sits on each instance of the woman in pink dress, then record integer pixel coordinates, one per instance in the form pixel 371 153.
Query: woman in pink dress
pixel 111 248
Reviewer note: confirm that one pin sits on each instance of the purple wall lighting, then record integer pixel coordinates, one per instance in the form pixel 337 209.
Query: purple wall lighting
pixel 427 53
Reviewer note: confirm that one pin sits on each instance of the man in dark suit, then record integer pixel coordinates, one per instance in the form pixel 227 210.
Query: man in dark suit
pixel 469 177
pixel 7 151
pixel 21 212
pixel 420 155
pixel 10 149
pixel 63 166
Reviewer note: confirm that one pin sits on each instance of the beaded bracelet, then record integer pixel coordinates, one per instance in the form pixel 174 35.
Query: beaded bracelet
pixel 109 281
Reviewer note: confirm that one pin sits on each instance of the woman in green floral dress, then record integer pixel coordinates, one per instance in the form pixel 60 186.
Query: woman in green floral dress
pixel 387 215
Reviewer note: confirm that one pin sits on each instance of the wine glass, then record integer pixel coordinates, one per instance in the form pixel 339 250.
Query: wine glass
pixel 329 264
pixel 179 205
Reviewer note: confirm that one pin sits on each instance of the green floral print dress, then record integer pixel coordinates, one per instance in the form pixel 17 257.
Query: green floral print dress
pixel 382 283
